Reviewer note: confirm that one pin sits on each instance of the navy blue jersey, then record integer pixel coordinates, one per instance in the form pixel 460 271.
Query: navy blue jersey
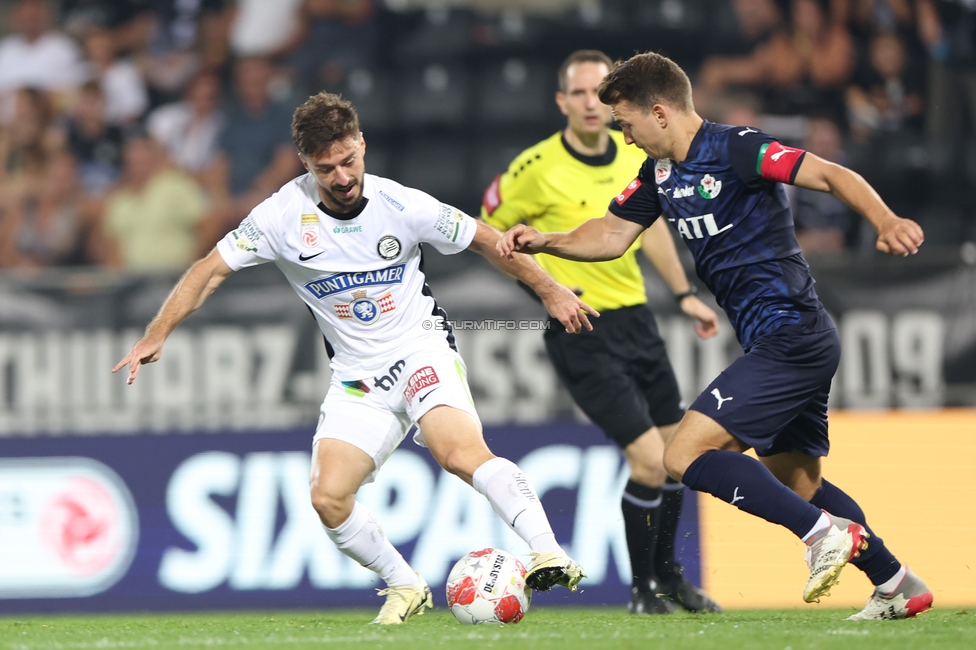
pixel 727 203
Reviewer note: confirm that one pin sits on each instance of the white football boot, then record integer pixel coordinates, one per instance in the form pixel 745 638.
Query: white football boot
pixel 910 598
pixel 546 570
pixel 403 602
pixel 829 551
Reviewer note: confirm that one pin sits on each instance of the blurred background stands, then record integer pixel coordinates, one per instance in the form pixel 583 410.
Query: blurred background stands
pixel 450 92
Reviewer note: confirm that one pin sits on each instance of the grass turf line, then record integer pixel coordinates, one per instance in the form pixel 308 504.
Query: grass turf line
pixel 562 628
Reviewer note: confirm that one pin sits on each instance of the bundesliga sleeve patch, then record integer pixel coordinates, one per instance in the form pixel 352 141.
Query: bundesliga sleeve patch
pixel 493 196
pixel 778 163
pixel 630 189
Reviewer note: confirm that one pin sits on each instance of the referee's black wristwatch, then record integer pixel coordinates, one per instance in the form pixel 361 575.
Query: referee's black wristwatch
pixel 692 291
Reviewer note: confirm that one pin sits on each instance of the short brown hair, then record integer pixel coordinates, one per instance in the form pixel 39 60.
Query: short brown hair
pixel 645 80
pixel 581 56
pixel 321 121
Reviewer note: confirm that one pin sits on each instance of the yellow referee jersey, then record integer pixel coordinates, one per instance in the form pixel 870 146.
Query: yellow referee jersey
pixel 554 189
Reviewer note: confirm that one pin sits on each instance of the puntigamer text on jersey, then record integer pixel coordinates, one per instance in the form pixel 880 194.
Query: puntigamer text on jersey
pixel 344 281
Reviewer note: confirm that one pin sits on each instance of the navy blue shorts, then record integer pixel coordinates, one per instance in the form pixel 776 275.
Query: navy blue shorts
pixel 774 398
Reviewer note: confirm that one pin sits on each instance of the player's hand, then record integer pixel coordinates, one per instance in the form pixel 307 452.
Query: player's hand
pixel 564 305
pixel 520 238
pixel 897 236
pixel 145 351
pixel 706 320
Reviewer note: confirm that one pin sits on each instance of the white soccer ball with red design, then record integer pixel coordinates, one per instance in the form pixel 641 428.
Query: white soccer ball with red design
pixel 488 586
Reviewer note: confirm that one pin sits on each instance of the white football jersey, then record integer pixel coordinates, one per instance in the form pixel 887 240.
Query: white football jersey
pixel 360 273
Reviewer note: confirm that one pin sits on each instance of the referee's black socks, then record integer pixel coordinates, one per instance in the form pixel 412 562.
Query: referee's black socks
pixel 641 506
pixel 671 500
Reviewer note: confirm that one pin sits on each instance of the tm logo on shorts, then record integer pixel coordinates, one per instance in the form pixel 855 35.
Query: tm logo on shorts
pixel 386 382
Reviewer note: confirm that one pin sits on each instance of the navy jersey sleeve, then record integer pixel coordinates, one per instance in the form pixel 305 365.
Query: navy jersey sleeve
pixel 638 202
pixel 758 157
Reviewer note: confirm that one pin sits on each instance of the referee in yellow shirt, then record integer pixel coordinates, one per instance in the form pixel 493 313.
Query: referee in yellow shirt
pixel 619 373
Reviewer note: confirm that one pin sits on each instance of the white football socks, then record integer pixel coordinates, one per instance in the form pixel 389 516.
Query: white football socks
pixel 888 588
pixel 361 538
pixel 822 524
pixel 514 499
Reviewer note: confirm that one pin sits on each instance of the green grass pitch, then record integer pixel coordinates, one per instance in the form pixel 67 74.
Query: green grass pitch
pixel 562 628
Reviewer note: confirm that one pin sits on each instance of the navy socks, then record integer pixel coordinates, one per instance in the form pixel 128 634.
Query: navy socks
pixel 876 562
pixel 746 483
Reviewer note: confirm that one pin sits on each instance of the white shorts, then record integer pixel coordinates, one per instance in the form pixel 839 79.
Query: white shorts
pixel 375 414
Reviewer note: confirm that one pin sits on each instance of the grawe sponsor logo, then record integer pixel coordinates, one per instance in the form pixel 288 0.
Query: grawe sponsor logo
pixel 68 527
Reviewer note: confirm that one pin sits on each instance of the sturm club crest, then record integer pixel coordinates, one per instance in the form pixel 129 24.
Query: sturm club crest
pixel 365 310
pixel 388 247
pixel 709 187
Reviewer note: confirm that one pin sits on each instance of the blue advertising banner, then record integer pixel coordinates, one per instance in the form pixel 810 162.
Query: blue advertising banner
pixel 220 521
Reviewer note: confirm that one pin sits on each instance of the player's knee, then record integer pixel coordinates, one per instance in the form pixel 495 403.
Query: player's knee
pixel 332 508
pixel 463 461
pixel 647 471
pixel 452 461
pixel 676 459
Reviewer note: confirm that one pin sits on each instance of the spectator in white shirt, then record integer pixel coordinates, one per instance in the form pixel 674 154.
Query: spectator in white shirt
pixel 262 28
pixel 126 97
pixel 36 56
pixel 189 129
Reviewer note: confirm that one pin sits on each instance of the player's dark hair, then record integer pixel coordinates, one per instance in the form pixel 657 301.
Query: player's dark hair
pixel 581 56
pixel 321 121
pixel 645 80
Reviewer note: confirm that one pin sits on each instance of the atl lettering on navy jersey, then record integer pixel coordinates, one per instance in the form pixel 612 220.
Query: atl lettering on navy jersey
pixel 727 203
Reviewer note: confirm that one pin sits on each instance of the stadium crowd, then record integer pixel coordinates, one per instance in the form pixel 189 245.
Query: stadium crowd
pixel 134 133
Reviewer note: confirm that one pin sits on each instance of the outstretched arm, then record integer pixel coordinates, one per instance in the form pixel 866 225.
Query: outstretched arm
pixel 896 235
pixel 559 301
pixel 187 296
pixel 596 240
pixel 658 246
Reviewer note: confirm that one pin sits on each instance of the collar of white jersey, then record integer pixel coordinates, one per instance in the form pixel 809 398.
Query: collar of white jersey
pixel 313 189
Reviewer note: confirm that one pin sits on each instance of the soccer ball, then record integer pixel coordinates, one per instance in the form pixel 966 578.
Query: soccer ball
pixel 488 586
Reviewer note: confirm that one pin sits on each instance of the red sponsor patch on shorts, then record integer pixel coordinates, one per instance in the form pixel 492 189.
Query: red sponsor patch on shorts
pixel 630 189
pixel 420 380
pixel 493 196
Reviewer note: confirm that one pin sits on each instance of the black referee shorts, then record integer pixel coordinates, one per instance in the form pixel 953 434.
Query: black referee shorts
pixel 619 373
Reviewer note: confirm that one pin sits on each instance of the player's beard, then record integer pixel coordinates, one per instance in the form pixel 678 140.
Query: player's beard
pixel 346 204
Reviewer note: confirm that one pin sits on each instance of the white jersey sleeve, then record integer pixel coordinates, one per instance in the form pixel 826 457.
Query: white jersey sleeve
pixel 443 226
pixel 255 241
